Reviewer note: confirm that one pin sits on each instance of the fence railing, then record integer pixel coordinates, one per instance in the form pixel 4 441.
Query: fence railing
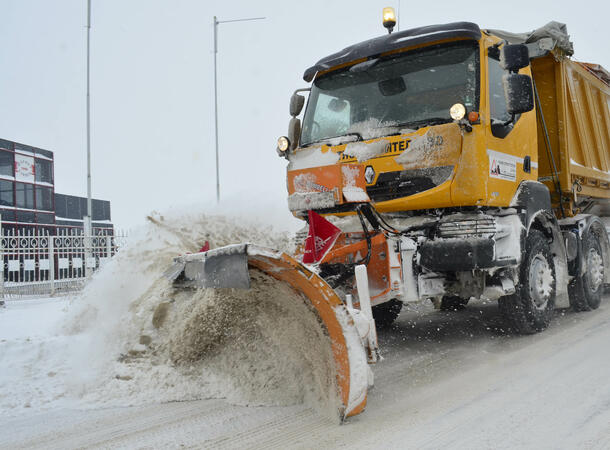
pixel 37 263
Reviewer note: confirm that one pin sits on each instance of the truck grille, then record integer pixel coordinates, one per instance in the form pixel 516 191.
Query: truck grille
pixel 468 227
pixel 393 185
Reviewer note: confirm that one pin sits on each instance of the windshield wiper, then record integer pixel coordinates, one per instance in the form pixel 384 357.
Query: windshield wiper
pixel 414 125
pixel 424 122
pixel 353 133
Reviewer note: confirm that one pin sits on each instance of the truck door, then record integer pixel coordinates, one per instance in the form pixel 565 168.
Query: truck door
pixel 512 151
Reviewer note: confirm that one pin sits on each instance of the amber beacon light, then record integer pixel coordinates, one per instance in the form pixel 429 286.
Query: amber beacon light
pixel 389 18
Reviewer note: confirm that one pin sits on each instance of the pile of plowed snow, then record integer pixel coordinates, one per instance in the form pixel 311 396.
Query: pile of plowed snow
pixel 142 341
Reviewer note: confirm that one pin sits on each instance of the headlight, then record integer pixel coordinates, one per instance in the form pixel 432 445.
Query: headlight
pixel 283 144
pixel 457 111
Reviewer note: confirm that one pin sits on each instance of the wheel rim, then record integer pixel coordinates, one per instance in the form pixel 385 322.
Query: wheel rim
pixel 595 269
pixel 540 281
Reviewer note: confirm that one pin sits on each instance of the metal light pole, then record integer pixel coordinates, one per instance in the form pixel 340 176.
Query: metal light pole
pixel 398 18
pixel 216 22
pixel 87 228
pixel 88 120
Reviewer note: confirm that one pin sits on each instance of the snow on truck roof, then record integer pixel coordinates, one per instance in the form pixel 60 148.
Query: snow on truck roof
pixel 555 34
pixel 540 41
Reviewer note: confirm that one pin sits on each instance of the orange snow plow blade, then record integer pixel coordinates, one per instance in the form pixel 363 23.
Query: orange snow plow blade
pixel 228 267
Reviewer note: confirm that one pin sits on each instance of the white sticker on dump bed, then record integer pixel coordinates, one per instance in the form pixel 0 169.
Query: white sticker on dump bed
pixel 502 166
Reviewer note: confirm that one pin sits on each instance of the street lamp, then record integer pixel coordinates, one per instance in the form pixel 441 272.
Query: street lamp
pixel 216 22
pixel 398 17
pixel 88 225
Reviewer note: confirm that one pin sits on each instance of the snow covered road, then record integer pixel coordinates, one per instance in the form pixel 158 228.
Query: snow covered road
pixel 451 380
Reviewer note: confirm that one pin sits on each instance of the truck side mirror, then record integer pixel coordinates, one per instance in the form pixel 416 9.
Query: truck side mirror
pixel 518 93
pixel 294 132
pixel 296 104
pixel 514 57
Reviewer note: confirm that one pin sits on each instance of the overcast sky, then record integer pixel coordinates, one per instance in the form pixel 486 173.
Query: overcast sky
pixel 152 84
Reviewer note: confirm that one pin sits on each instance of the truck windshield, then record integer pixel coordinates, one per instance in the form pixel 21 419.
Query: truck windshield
pixel 379 97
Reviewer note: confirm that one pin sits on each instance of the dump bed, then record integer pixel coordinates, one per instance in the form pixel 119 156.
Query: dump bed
pixel 575 100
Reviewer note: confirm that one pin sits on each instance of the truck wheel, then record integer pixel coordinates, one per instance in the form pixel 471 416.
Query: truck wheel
pixel 453 303
pixel 530 309
pixel 586 291
pixel 386 313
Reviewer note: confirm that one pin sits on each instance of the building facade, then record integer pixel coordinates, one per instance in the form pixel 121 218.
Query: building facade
pixel 28 198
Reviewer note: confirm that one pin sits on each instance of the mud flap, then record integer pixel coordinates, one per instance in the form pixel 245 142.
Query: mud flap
pixel 227 267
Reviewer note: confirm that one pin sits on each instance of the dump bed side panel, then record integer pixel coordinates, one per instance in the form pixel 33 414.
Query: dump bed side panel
pixel 587 128
pixel 576 107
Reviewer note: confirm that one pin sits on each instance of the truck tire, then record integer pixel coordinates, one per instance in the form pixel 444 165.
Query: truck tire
pixel 453 303
pixel 530 309
pixel 586 290
pixel 386 313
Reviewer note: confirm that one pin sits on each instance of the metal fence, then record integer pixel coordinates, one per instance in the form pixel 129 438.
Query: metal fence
pixel 37 263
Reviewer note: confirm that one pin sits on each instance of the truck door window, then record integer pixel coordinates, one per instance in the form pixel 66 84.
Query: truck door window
pixel 332 117
pixel 497 102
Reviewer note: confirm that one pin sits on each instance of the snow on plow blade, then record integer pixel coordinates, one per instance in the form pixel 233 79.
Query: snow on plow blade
pixel 228 267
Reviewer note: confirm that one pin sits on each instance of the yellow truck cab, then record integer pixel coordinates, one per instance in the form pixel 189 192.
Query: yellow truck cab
pixel 482 157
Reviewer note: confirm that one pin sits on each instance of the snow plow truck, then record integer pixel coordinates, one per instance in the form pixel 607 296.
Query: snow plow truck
pixel 441 163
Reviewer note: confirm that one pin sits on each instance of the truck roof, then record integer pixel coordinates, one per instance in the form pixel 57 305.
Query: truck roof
pixel 399 39
pixel 552 36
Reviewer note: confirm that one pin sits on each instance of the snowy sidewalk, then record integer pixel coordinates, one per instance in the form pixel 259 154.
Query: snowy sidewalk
pixel 31 355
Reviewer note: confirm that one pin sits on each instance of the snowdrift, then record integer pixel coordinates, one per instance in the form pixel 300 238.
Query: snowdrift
pixel 142 341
